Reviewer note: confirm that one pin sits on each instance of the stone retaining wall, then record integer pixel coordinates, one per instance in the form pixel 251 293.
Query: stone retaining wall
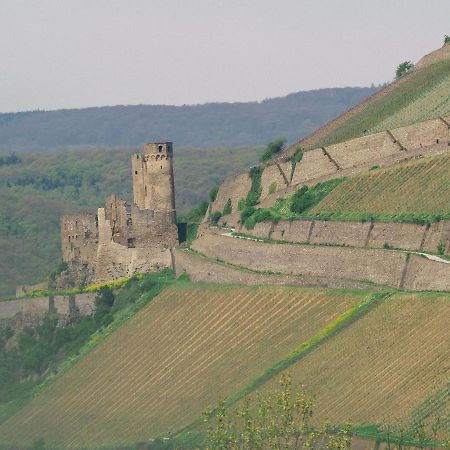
pixel 405 236
pixel 386 267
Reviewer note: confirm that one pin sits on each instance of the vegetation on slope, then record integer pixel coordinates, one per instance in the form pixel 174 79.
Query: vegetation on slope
pixel 40 350
pixel 194 343
pixel 423 94
pixel 415 191
pixel 294 207
pixel 35 191
pixel 200 126
pixel 385 367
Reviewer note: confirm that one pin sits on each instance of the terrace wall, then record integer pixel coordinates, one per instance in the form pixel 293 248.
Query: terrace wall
pixel 406 236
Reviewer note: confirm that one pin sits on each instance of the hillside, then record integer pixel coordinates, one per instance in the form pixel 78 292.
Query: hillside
pixel 196 343
pixel 422 94
pixel 37 190
pixel 416 190
pixel 166 365
pixel 199 126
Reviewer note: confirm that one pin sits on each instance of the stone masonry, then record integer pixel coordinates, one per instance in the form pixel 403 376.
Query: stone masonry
pixel 125 238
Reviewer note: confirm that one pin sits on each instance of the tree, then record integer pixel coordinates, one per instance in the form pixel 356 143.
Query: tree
pixel 403 69
pixel 446 39
pixel 279 420
pixel 273 148
pixel 213 193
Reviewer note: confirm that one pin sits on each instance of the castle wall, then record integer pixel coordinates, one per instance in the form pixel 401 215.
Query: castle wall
pixel 79 237
pixel 114 260
pixel 153 183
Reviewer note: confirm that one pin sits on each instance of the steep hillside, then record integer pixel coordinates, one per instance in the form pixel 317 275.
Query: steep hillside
pixel 412 190
pixel 369 358
pixel 189 347
pixel 422 94
pixel 200 126
pixel 36 190
pixel 391 365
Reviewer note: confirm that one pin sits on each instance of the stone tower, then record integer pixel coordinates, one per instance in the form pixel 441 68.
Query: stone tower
pixel 153 186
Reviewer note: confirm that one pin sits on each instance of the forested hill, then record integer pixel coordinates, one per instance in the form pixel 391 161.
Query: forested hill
pixel 209 125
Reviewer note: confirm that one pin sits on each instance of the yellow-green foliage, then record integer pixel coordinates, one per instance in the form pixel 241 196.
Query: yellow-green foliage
pixel 416 190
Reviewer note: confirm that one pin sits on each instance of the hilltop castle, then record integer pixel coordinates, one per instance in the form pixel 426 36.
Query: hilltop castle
pixel 125 238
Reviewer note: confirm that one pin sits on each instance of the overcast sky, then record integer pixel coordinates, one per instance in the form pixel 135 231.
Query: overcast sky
pixel 66 54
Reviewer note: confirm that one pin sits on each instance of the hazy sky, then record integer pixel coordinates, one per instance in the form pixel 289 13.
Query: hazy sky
pixel 66 54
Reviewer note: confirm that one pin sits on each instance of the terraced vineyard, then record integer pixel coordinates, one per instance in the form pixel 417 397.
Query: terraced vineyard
pixel 422 95
pixel 190 346
pixel 391 365
pixel 416 189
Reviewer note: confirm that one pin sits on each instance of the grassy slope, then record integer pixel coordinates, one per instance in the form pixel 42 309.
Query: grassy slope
pixel 188 347
pixel 35 193
pixel 423 94
pixel 416 189
pixel 196 343
pixel 391 365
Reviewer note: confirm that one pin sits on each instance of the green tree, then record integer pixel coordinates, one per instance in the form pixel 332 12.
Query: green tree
pixel 273 148
pixel 279 420
pixel 403 69
pixel 228 208
pixel 446 39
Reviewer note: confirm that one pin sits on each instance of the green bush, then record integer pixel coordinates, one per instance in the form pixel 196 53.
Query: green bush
pixel 246 213
pixel 215 217
pixel 305 198
pixel 260 215
pixel 273 148
pixel 255 190
pixel 387 246
pixel 374 168
pixel 446 39
pixel 403 69
pixel 213 193
pixel 441 249
pixel 273 188
pixel 296 158
pixel 228 208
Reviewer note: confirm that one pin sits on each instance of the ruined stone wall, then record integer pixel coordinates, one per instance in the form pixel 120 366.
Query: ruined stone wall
pixel 114 260
pixel 31 311
pixel 406 236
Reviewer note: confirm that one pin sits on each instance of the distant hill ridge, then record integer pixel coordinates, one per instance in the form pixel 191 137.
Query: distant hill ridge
pixel 213 124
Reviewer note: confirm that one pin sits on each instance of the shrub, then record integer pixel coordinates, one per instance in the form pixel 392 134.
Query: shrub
pixel 215 216
pixel 242 204
pixel 296 158
pixel 273 188
pixel 441 249
pixel 305 198
pixel 213 193
pixel 246 213
pixel 446 39
pixel 255 190
pixel 260 215
pixel 403 69
pixel 374 168
pixel 387 246
pixel 273 148
pixel 228 208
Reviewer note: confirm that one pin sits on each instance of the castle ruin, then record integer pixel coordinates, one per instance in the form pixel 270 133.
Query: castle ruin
pixel 125 238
